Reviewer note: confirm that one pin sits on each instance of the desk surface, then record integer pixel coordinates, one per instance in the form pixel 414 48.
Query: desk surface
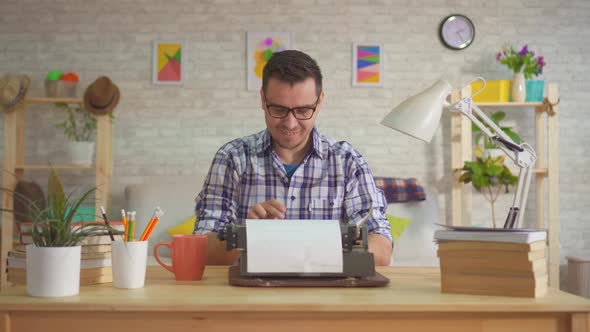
pixel 410 290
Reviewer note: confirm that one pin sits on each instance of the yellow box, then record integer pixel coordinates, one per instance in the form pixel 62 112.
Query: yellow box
pixel 496 91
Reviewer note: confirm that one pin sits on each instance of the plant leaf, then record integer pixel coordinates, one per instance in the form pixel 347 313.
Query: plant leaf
pixel 498 116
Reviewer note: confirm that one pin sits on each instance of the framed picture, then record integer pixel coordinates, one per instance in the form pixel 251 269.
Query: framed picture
pixel 260 47
pixel 168 65
pixel 367 64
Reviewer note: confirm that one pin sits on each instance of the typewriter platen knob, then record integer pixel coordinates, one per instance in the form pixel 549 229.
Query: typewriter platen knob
pixel 221 235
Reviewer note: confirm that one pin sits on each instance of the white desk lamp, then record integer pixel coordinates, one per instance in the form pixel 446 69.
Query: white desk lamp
pixel 419 116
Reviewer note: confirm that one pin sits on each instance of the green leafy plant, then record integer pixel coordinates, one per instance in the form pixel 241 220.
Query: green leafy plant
pixel 79 125
pixel 496 117
pixel 52 226
pixel 489 176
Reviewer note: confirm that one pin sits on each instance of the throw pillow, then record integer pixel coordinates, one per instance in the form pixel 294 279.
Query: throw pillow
pixel 185 228
pixel 398 225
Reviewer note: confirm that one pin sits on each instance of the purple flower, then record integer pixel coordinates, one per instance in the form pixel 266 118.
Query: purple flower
pixel 499 56
pixel 524 51
pixel 541 61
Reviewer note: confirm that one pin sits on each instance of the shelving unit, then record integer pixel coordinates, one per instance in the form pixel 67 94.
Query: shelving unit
pixel 546 168
pixel 13 164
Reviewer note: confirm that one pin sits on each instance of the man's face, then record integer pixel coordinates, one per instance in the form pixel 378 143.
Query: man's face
pixel 291 132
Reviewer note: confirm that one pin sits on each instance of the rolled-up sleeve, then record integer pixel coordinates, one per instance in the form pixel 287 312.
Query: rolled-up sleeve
pixel 362 195
pixel 215 205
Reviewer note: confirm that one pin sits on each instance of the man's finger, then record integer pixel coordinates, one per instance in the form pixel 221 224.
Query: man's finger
pixel 272 212
pixel 277 205
pixel 251 215
pixel 259 211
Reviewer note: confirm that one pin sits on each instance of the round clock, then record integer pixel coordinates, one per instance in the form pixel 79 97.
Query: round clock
pixel 457 32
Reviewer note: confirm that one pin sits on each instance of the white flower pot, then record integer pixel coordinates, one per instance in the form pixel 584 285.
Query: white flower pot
pixel 81 153
pixel 53 271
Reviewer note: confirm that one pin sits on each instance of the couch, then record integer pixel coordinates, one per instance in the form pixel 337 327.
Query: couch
pixel 176 195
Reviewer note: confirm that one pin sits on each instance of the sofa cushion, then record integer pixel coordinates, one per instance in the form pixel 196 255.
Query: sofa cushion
pixel 185 228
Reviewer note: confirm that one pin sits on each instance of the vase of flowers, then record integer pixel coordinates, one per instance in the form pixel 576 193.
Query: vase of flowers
pixel 524 64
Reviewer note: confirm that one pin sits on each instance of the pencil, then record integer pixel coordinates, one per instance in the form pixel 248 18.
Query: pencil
pixel 154 223
pixel 125 223
pixel 149 224
pixel 106 221
pixel 134 226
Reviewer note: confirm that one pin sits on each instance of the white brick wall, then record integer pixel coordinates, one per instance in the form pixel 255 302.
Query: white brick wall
pixel 162 130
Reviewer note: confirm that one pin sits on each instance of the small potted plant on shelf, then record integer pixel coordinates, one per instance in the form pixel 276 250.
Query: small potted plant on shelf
pixel 489 176
pixel 525 65
pixel 80 127
pixel 53 259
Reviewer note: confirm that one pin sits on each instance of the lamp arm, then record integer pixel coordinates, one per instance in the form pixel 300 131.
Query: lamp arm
pixel 523 155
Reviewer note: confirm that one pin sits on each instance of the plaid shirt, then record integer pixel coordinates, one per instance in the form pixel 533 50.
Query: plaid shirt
pixel 332 182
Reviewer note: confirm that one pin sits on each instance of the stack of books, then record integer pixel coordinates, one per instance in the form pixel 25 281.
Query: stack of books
pixel 95 266
pixel 493 262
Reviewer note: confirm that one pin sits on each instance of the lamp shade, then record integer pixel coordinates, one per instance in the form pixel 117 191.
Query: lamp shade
pixel 419 115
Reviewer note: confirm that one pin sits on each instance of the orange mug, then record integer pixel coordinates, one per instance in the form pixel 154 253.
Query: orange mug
pixel 189 255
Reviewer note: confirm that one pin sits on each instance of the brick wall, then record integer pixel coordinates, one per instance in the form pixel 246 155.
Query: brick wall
pixel 163 130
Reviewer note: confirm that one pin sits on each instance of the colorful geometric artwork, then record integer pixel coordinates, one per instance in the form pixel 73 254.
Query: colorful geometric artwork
pixel 260 48
pixel 168 65
pixel 367 65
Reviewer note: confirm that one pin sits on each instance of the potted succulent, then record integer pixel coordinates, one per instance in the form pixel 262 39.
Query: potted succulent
pixel 80 127
pixel 53 260
pixel 490 149
pixel 489 176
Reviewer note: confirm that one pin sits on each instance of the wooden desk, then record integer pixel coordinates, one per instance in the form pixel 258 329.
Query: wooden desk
pixel 412 302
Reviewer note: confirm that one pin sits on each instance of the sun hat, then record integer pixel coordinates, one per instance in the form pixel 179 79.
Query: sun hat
pixel 102 96
pixel 13 89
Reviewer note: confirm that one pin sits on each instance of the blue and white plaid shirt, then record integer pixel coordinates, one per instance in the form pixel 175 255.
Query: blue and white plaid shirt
pixel 332 182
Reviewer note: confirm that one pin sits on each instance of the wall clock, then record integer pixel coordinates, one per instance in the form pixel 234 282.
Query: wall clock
pixel 457 31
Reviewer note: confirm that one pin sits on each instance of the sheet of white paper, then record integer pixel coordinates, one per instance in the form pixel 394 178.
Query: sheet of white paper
pixel 294 246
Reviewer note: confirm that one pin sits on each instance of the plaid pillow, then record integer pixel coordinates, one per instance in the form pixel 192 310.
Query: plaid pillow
pixel 400 190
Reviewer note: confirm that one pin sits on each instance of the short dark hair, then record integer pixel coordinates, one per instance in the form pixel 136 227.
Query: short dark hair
pixel 292 66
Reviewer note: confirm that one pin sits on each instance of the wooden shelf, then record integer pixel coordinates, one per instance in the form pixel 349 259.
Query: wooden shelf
pixel 546 169
pixel 542 171
pixel 538 171
pixel 48 100
pixel 48 167
pixel 15 167
pixel 510 104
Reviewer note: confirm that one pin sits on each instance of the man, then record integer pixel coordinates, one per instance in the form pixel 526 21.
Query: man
pixel 290 170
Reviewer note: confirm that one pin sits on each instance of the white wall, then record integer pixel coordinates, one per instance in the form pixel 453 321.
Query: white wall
pixel 162 130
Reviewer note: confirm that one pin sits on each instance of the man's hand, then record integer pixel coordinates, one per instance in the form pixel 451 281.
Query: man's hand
pixel 272 209
pixel 380 246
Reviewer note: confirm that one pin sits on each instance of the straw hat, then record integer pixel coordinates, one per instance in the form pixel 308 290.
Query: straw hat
pixel 102 96
pixel 13 89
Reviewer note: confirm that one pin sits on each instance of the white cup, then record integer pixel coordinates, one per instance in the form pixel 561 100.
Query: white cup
pixel 129 263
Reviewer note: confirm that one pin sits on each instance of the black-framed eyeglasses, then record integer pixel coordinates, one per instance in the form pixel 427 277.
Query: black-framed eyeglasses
pixel 300 112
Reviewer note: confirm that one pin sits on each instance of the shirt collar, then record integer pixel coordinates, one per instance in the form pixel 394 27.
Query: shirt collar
pixel 317 145
pixel 265 143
